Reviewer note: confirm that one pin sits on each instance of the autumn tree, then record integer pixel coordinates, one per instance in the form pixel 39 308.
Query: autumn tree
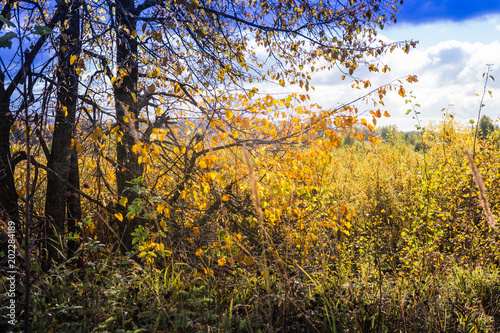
pixel 8 196
pixel 200 61
pixel 17 93
pixel 161 81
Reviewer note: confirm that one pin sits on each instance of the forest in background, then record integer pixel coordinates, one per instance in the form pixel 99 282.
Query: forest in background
pixel 150 183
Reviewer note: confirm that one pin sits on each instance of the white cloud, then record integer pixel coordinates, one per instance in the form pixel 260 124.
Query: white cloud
pixel 449 66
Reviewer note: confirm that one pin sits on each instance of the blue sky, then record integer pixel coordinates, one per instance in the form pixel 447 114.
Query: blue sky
pixel 425 11
pixel 456 40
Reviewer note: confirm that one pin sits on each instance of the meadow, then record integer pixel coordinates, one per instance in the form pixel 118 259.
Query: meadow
pixel 365 237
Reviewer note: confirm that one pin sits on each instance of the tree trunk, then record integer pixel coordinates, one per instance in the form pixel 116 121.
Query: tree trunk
pixel 125 91
pixel 74 204
pixel 9 208
pixel 60 156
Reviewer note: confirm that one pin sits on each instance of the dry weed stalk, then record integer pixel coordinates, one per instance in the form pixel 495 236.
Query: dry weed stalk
pixel 482 191
pixel 256 202
pixel 253 184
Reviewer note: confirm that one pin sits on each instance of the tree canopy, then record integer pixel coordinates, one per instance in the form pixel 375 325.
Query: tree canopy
pixel 120 88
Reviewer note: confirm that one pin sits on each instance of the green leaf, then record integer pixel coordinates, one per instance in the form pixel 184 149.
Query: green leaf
pixel 6 40
pixel 4 20
pixel 42 31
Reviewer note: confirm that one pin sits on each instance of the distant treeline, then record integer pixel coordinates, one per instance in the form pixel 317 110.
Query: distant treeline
pixel 391 134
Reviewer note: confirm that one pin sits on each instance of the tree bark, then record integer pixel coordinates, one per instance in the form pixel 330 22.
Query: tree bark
pixel 9 208
pixel 60 155
pixel 125 93
pixel 74 204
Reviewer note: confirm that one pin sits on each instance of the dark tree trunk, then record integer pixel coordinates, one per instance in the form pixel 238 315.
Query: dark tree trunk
pixel 74 203
pixel 9 208
pixel 125 92
pixel 60 156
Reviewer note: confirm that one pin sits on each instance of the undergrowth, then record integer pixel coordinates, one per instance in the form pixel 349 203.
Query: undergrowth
pixel 361 238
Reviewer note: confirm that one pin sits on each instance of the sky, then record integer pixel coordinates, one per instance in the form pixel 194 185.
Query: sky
pixel 457 39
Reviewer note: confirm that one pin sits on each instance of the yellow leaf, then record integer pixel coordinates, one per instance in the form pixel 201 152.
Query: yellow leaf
pixel 125 119
pixel 401 92
pixel 336 121
pixel 282 82
pixel 160 208
pixel 13 128
pixel 336 141
pixel 163 224
pixel 73 59
pixel 221 261
pixel 225 197
pixel 154 73
pixel 79 148
pixel 65 109
pixel 199 252
pixel 229 114
pixel 386 114
pixel 159 110
pixel 373 140
pixel 135 149
pixel 155 153
pixel 134 97
pixel 246 123
pixel 113 79
pixel 249 260
pixel 92 164
pixel 119 216
pixel 21 192
pixel 123 201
